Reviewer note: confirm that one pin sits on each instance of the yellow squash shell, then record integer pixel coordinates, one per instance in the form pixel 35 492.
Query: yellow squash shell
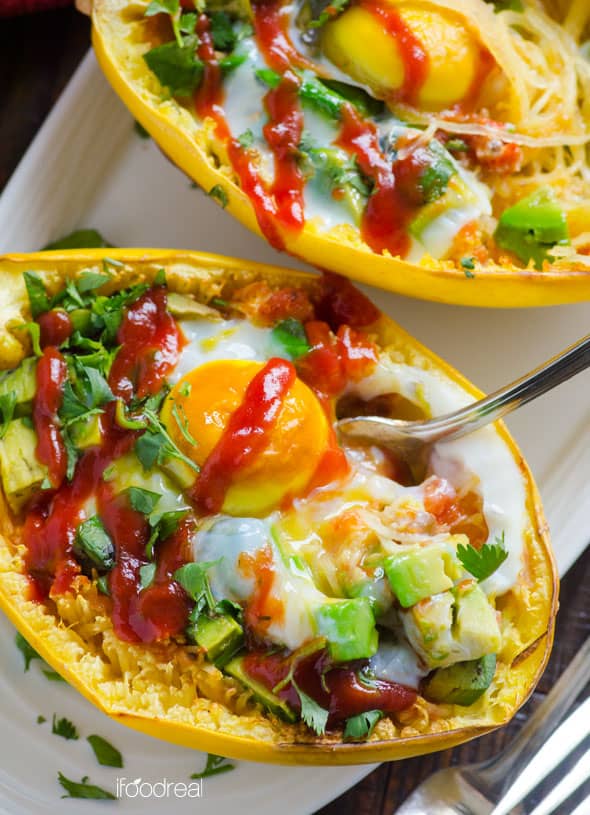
pixel 120 40
pixel 171 691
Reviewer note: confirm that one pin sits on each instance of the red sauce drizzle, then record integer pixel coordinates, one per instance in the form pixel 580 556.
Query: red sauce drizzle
pixel 334 360
pixel 387 214
pixel 283 201
pixel 161 610
pixel 414 57
pixel 51 375
pixel 270 28
pixel 246 433
pixel 55 327
pixel 263 608
pixel 346 695
pixel 150 343
pixel 283 134
pixel 51 524
pixel 341 303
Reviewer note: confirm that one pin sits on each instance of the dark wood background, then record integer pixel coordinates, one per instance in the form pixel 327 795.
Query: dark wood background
pixel 38 54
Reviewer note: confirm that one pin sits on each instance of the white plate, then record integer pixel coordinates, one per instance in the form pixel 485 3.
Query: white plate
pixel 88 168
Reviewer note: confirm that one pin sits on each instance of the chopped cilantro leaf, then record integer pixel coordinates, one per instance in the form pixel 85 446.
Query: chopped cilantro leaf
pixel 52 675
pixel 105 753
pixel 41 719
pixel 246 139
pixel 170 7
pixel 176 65
pixel 147 572
pixel 215 765
pixel 80 239
pixel 481 563
pixel 290 333
pixel 94 545
pixel 314 716
pixel 140 130
pixel 35 335
pixel 64 728
pixel 362 725
pixel 193 579
pixel 222 32
pixel 82 789
pixel 141 500
pixel 89 281
pixel 26 650
pixel 39 300
pixel 219 194
pixel 181 420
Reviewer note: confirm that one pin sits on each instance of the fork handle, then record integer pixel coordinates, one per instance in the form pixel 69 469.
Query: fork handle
pixel 572 361
pixel 499 773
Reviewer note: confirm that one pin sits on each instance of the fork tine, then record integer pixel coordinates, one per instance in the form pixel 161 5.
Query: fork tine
pixel 579 774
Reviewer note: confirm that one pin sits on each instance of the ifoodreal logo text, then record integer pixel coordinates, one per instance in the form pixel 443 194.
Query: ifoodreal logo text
pixel 164 788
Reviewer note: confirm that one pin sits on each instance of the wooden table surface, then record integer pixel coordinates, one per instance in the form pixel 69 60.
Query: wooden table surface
pixel 38 54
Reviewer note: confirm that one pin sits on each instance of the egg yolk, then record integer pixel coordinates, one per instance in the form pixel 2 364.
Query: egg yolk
pixel 202 403
pixel 359 43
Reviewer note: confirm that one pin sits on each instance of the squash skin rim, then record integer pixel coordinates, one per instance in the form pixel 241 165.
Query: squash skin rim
pixel 511 288
pixel 237 746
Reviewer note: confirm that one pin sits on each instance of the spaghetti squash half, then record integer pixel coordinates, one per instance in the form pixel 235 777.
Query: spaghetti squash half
pixel 185 539
pixel 438 148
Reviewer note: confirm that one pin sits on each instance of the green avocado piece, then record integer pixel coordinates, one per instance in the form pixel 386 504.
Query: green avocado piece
pixel 86 432
pixel 533 226
pixel 462 683
pixel 23 382
pixel 349 628
pixel 417 573
pixel 20 470
pixel 180 472
pixel 270 700
pixel 220 636
pixel 476 624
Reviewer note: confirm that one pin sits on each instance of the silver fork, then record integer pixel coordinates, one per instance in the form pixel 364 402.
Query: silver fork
pixel 411 440
pixel 499 785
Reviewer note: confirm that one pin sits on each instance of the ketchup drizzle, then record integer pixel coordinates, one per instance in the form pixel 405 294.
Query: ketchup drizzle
pixel 150 344
pixel 245 435
pixel 346 696
pixel 387 214
pixel 51 375
pixel 414 57
pixel 283 134
pixel 270 28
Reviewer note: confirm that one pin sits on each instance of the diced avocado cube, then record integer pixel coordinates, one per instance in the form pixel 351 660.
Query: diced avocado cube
pixel 21 473
pixel 94 546
pixel 349 628
pixel 476 623
pixel 180 472
pixel 86 432
pixel 454 626
pixel 419 572
pixel 533 226
pixel 462 683
pixel 235 667
pixel 429 627
pixel 220 636
pixel 23 382
pixel 184 306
